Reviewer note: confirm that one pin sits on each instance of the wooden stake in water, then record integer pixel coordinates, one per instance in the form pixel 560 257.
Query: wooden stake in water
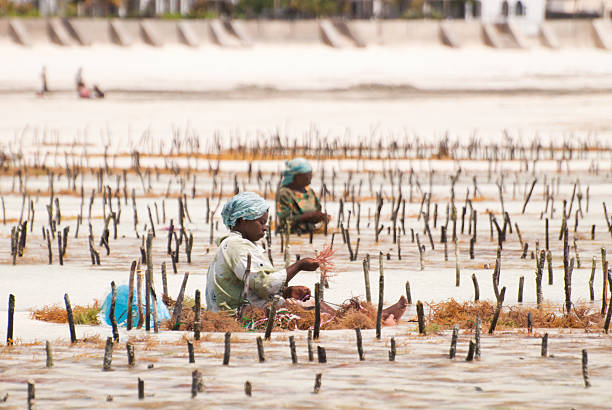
pixel 31 394
pixel 471 349
pixel 539 274
pixel 366 277
pixel 226 353
pixel 108 354
pixel 520 289
pixel 310 351
pixel 585 369
pixel 164 280
pixel 129 347
pixel 392 352
pixel 260 350
pixel 73 338
pixel 408 294
pixel 197 310
pixel 477 338
pixel 381 292
pixel 498 308
pixel 130 296
pixel 49 351
pixel 476 288
pixel 11 315
pixel 457 268
pixel 190 351
pixel 196 383
pixel 294 358
pixel 453 347
pixel 271 319
pixel 321 355
pixel 139 277
pixel 529 323
pixel 359 344
pixel 141 394
pixel 317 385
pixel 111 312
pixel 550 267
pixel 544 351
pixel 248 389
pixel 317 321
pixel 421 317
pixel 604 291
pixel 178 307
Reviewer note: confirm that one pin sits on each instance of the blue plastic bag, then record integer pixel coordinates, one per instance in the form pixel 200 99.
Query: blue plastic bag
pixel 121 308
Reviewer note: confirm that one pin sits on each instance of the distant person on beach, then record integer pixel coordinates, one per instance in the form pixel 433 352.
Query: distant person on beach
pixel 43 79
pixel 246 215
pixel 298 207
pixel 83 91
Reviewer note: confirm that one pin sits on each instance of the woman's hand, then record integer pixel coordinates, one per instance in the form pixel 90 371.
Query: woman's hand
pixel 308 264
pixel 314 217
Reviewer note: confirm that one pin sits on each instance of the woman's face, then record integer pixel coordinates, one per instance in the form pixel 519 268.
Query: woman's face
pixel 302 180
pixel 252 230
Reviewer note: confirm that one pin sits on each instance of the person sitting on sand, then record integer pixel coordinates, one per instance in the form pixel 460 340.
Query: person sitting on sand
pixel 246 215
pixel 298 207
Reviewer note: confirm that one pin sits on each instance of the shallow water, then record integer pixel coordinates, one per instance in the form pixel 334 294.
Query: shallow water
pixel 510 374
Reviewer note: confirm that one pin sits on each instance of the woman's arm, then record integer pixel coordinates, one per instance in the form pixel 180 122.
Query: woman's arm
pixel 307 264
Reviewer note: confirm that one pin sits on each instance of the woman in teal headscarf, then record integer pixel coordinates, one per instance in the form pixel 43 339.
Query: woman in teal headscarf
pixel 246 215
pixel 297 204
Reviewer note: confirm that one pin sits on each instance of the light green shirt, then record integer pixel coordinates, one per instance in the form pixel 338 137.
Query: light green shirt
pixel 225 277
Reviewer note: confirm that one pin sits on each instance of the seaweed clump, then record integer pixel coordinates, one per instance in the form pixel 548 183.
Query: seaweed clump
pixel 447 314
pixel 83 315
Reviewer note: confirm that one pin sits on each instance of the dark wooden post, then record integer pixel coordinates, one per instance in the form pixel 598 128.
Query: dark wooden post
pixel 453 348
pixel 500 301
pixel 130 354
pixel 11 315
pixel 130 314
pixel 585 369
pixel 226 353
pixel 108 354
pixel 321 355
pixel 271 319
pixel 190 351
pixel 317 322
pixel 260 350
pixel 421 318
pixel 49 351
pixel 544 351
pixel 73 338
pixel 141 394
pixel 294 358
pixel 197 309
pixel 359 344
pixel 381 294
pixel 392 352
pixel 111 312
pixel 310 351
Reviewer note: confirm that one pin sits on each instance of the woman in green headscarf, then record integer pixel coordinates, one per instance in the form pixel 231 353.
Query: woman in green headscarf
pixel 297 204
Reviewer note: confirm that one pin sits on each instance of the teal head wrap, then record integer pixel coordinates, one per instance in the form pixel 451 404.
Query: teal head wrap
pixel 294 167
pixel 245 205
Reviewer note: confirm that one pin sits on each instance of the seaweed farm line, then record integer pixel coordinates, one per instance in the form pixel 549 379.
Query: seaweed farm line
pixel 448 216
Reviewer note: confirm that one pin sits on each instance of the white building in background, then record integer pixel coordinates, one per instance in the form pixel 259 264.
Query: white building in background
pixel 527 14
